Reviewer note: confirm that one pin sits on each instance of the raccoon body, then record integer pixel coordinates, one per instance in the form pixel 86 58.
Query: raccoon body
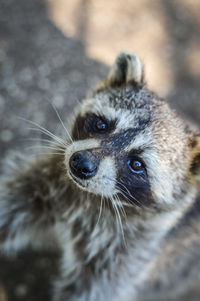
pixel 117 200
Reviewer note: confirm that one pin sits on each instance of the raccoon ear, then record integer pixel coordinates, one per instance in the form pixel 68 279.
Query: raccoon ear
pixel 126 69
pixel 195 156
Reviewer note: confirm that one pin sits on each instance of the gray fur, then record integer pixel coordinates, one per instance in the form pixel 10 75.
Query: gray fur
pixel 117 240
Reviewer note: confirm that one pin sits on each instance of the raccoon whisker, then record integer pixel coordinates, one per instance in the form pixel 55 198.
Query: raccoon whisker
pixel 48 142
pixel 129 194
pixel 132 200
pixel 100 210
pixel 130 204
pixel 43 140
pixel 121 207
pixel 101 207
pixel 125 193
pixel 119 203
pixel 49 153
pixel 122 192
pixel 54 137
pixel 77 129
pixel 117 214
pixel 58 149
pixel 114 208
pixel 45 146
pixel 77 100
pixel 56 140
pixel 118 218
pixel 50 145
pixel 104 206
pixel 62 123
pixel 45 131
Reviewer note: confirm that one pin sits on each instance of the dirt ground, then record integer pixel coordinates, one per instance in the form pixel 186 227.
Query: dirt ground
pixel 53 51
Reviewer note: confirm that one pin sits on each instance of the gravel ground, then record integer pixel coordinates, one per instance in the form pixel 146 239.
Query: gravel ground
pixel 38 65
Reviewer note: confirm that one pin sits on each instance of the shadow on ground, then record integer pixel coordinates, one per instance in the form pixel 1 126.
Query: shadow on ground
pixel 183 33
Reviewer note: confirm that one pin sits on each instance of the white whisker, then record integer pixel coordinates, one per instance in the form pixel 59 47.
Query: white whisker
pixel 50 153
pixel 45 146
pixel 57 139
pixel 125 193
pixel 38 139
pixel 100 210
pixel 62 123
pixel 118 218
pixel 45 131
pixel 121 207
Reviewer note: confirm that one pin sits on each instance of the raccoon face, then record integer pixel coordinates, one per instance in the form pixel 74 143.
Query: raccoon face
pixel 128 144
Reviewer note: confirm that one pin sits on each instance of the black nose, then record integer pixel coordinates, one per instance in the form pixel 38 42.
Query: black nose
pixel 83 165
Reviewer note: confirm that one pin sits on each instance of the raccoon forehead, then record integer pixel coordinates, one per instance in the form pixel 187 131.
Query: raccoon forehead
pixel 126 118
pixel 128 97
pixel 99 106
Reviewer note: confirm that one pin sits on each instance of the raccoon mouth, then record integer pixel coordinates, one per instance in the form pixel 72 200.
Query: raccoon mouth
pixel 76 180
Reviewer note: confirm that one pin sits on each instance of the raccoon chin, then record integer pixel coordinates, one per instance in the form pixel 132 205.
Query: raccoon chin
pixel 80 184
pixel 77 182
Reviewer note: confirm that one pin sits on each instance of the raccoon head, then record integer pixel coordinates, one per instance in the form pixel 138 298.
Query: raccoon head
pixel 128 143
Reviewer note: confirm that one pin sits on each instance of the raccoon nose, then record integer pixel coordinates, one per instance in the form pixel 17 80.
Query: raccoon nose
pixel 83 165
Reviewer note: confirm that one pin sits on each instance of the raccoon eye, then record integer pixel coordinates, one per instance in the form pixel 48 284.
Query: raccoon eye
pixel 100 125
pixel 136 166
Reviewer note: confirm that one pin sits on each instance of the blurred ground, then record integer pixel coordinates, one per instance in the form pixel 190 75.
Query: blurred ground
pixel 55 50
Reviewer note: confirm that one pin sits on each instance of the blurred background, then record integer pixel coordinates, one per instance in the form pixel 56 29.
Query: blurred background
pixel 54 51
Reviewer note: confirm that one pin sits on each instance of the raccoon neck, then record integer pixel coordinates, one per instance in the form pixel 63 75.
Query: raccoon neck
pixel 104 240
pixel 99 250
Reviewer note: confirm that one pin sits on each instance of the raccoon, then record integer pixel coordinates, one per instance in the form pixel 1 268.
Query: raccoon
pixel 118 200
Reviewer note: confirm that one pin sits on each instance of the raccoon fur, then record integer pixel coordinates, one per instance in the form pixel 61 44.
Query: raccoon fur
pixel 118 200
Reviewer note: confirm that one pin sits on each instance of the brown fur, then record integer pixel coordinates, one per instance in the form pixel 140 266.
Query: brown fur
pixel 118 228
